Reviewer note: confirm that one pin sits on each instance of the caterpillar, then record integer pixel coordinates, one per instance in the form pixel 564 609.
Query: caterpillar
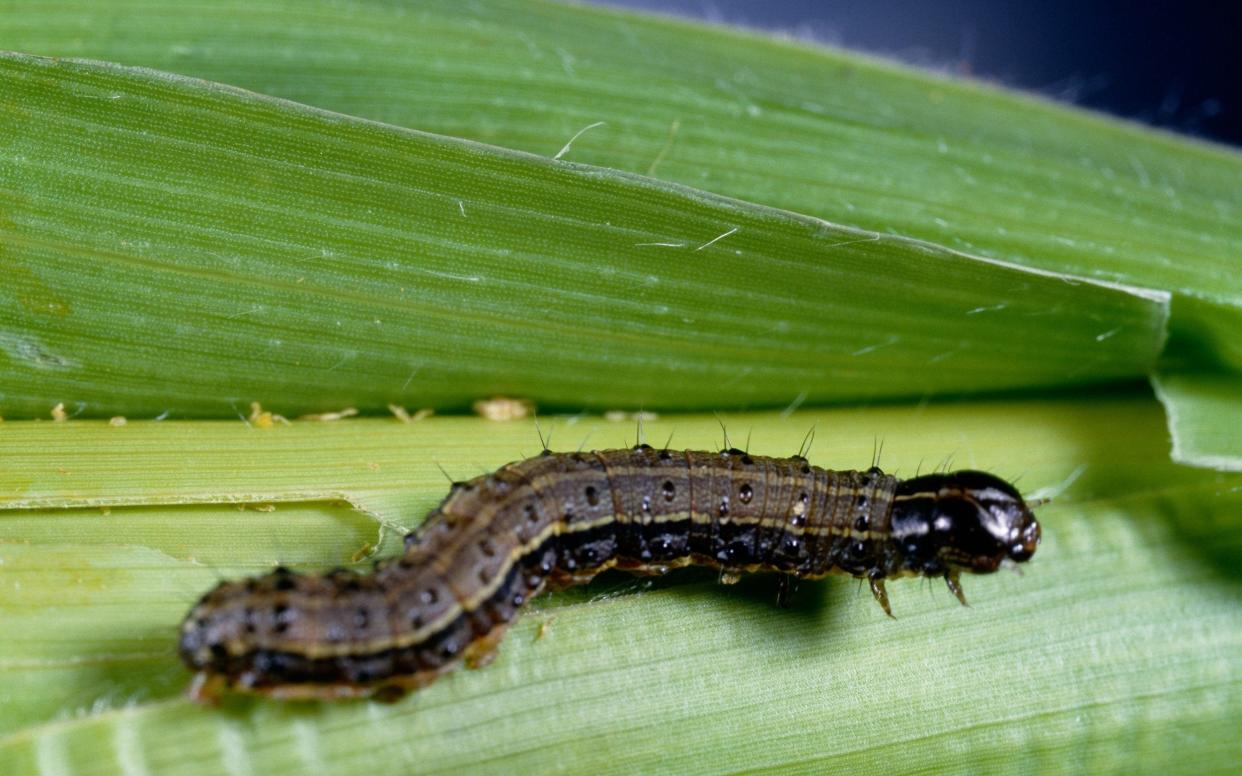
pixel 558 519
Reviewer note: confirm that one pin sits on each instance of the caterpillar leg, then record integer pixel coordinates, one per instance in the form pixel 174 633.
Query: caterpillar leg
pixel 955 586
pixel 881 595
pixel 560 579
pixel 786 584
pixel 206 688
pixel 482 651
pixel 639 569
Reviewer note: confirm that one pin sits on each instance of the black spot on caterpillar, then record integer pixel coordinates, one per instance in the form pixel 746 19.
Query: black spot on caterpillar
pixel 561 518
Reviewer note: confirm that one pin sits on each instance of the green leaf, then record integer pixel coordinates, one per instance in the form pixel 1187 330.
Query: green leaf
pixel 162 248
pixel 1199 381
pixel 177 246
pixel 1205 418
pixel 1119 648
pixel 853 140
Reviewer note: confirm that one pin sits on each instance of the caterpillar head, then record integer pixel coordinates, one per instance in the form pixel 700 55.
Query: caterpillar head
pixel 961 521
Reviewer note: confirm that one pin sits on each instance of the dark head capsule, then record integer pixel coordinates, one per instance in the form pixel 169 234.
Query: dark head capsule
pixel 961 521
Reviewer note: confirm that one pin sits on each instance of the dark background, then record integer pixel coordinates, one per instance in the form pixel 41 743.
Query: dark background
pixel 1173 65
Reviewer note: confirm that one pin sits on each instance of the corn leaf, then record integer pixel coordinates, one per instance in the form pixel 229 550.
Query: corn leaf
pixel 178 247
pixel 851 140
pixel 1203 418
pixel 1120 647
pixel 809 129
pixel 181 247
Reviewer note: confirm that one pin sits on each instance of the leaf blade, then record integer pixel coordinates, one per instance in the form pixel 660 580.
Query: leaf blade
pixel 848 138
pixel 207 248
pixel 851 139
pixel 1118 647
